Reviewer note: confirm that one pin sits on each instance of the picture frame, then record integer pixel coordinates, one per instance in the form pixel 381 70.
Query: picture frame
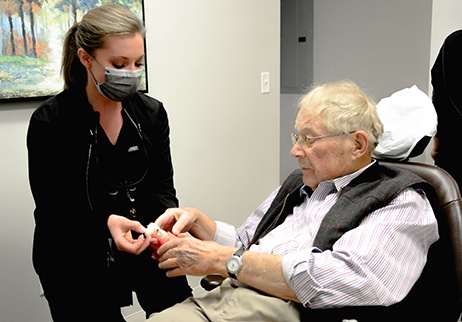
pixel 33 33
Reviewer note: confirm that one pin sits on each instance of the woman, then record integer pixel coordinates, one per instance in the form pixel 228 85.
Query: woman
pixel 447 99
pixel 99 148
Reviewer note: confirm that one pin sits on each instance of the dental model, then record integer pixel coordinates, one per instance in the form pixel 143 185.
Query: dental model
pixel 158 233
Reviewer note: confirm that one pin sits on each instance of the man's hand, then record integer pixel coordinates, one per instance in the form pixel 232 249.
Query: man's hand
pixel 187 219
pixel 121 227
pixel 191 256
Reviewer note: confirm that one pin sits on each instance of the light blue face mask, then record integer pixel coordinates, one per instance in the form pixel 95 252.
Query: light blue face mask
pixel 118 84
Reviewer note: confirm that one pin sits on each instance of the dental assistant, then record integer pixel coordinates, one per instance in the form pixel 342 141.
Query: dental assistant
pixel 100 147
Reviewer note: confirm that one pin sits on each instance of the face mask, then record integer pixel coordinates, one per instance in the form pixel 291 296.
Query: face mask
pixel 118 84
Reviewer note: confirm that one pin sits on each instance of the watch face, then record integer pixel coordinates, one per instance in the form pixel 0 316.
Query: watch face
pixel 233 265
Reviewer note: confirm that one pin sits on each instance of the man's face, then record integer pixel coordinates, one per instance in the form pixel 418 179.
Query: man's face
pixel 325 158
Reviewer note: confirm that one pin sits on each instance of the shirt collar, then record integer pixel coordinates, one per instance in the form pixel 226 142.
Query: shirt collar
pixel 339 182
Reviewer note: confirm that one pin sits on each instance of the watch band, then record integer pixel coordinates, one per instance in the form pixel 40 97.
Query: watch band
pixel 239 252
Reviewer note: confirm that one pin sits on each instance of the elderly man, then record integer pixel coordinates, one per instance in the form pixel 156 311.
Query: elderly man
pixel 341 232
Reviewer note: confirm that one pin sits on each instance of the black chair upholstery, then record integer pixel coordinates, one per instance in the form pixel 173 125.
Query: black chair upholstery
pixel 450 203
pixel 439 289
pixel 209 282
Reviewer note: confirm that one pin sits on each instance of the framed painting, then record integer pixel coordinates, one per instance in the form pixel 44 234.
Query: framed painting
pixel 33 33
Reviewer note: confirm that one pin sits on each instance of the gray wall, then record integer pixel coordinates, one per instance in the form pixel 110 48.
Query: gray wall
pixel 384 46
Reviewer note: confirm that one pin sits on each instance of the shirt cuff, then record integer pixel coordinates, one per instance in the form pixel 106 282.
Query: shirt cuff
pixel 225 234
pixel 296 270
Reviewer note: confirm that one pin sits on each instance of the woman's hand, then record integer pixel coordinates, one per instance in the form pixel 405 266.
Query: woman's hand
pixel 187 219
pixel 121 231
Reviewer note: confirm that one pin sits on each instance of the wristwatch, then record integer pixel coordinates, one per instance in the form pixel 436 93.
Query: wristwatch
pixel 234 263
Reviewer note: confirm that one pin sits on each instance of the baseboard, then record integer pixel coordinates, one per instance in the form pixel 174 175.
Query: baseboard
pixel 136 317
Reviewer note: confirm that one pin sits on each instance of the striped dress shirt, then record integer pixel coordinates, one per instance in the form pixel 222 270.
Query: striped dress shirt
pixel 376 263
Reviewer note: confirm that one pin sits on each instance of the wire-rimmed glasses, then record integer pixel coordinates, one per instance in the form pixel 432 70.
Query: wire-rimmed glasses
pixel 306 140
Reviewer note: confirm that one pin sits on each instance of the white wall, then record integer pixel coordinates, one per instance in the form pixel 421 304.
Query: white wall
pixel 204 63
pixel 206 59
pixel 19 288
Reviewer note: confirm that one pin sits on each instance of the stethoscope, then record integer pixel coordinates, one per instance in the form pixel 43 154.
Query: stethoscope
pixel 128 187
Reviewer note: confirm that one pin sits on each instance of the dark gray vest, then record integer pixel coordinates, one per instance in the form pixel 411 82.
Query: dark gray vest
pixel 371 190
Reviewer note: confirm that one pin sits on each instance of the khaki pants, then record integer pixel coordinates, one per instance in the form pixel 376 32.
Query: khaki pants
pixel 227 303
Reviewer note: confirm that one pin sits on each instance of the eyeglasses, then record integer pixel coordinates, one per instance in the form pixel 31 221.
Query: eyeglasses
pixel 305 140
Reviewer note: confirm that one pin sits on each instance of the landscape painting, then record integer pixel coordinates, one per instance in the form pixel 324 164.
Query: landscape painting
pixel 33 32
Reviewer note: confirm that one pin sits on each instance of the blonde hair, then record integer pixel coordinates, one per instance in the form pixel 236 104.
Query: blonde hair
pixel 91 34
pixel 342 107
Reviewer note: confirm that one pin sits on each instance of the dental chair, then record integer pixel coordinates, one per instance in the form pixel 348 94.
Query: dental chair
pixel 437 295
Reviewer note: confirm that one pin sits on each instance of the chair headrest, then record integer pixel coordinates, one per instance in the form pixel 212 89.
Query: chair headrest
pixel 409 119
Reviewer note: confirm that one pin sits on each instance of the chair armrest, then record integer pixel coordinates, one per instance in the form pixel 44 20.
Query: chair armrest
pixel 209 282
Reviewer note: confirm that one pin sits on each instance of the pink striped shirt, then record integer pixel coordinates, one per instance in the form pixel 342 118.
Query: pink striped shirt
pixel 376 263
